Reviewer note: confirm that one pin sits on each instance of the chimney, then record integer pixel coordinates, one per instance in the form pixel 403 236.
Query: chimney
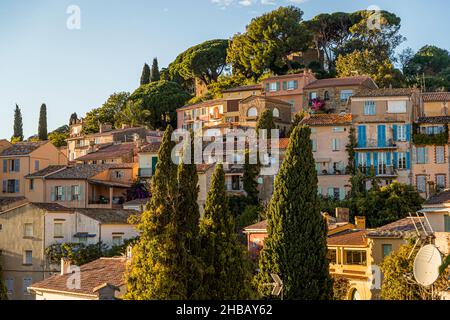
pixel 342 215
pixel 129 254
pixel 360 223
pixel 65 266
pixel 105 127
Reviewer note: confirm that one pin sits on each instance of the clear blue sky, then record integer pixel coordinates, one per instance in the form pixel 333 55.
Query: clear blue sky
pixel 76 70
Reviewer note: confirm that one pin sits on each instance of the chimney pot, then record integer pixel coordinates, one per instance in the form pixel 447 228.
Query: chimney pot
pixel 360 223
pixel 65 266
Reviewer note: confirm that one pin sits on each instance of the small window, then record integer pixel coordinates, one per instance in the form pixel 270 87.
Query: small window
pixel 10 285
pixel 27 281
pixel 117 240
pixel 292 85
pixel 119 174
pixel 421 184
pixel 440 154
pixel 402 163
pixel 58 230
pixel 28 258
pixel 28 230
pixel 356 258
pixel 336 145
pixel 36 165
pixel 31 184
pixel 338 129
pixel 422 155
pixel 314 145
pixel 441 181
pixel 387 249
pixel 252 112
pixel 401 133
pixel 273 86
pixel 276 113
pixel 346 95
pixel 369 108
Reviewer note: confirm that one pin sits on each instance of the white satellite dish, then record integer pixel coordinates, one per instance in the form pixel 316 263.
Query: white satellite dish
pixel 426 265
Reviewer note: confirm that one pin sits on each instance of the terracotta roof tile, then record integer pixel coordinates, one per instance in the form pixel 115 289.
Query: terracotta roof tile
pixel 151 147
pixel 201 104
pixel 328 119
pixel 52 207
pixel 5 201
pixel 273 100
pixel 441 198
pixel 93 275
pixel 258 226
pixel 22 148
pixel 436 96
pixel 82 171
pixel 244 88
pixel 337 82
pixel 434 120
pixel 398 229
pixel 109 152
pixel 45 172
pixel 385 92
pixel 108 216
pixel 348 238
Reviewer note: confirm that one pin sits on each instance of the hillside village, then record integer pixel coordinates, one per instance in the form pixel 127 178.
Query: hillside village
pixel 91 193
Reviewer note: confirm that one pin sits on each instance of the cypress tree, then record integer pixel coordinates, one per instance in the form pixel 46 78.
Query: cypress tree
pixel 251 172
pixel 3 291
pixel 266 121
pixel 145 76
pixel 156 270
pixel 227 273
pixel 156 76
pixel 188 216
pixel 296 246
pixel 18 125
pixel 42 130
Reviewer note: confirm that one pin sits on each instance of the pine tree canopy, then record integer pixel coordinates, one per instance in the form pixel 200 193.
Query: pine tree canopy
pixel 296 246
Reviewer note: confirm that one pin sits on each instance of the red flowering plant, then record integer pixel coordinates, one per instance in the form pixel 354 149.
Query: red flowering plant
pixel 318 105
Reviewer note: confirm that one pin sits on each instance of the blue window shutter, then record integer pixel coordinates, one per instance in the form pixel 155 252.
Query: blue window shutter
pixel 375 162
pixel 395 160
pixel 382 136
pixel 394 129
pixel 408 160
pixel 17 186
pixel 53 193
pixel 5 183
pixel 357 160
pixel 388 159
pixel 295 84
pixel 342 193
pixel 408 132
pixel 5 165
pixel 368 159
pixel 17 165
pixel 362 136
pixel 81 192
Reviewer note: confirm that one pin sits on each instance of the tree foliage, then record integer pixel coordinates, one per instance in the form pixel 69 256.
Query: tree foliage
pixel 133 115
pixel 3 290
pixel 155 75
pixel 18 125
pixel 59 136
pixel 205 61
pixel 107 113
pixel 296 246
pixel 156 271
pixel 145 76
pixel 268 42
pixel 227 274
pixel 42 130
pixel 341 288
pixel 161 99
pixel 266 122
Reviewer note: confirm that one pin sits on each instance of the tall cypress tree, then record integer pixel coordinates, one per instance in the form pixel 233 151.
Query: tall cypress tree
pixel 296 246
pixel 251 172
pixel 18 125
pixel 266 122
pixel 42 130
pixel 188 216
pixel 227 273
pixel 156 76
pixel 156 271
pixel 146 74
pixel 3 291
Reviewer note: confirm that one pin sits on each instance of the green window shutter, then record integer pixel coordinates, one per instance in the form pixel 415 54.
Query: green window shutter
pixel 278 86
pixel 17 186
pixel 331 192
pixel 296 84
pixel 319 191
pixel 447 223
pixel 53 191
pixel 81 192
pixel 284 85
pixel 63 197
pixel 342 193
pixel 267 87
pixel 69 193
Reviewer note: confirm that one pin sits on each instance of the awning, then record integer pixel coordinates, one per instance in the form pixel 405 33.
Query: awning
pixel 84 235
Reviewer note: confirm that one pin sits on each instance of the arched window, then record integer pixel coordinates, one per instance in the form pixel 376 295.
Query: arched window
pixel 355 295
pixel 252 112
pixel 326 96
pixel 276 113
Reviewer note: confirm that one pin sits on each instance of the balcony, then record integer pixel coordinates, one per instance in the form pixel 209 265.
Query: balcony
pixel 145 173
pixel 374 144
pixel 332 172
pixel 382 171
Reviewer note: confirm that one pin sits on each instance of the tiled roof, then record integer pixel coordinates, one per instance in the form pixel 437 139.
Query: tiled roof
pixel 108 216
pixel 398 229
pixel 286 76
pixel 135 202
pixel 119 131
pixel 4 201
pixel 92 275
pixel 45 172
pixel 109 152
pixel 273 100
pixel 328 119
pixel 244 88
pixel 348 238
pixel 284 143
pixel 386 92
pixel 337 82
pixel 81 171
pixel 52 207
pixel 435 96
pixel 107 183
pixel 441 198
pixel 151 147
pixel 258 226
pixel 434 120
pixel 22 148
pixel 201 104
